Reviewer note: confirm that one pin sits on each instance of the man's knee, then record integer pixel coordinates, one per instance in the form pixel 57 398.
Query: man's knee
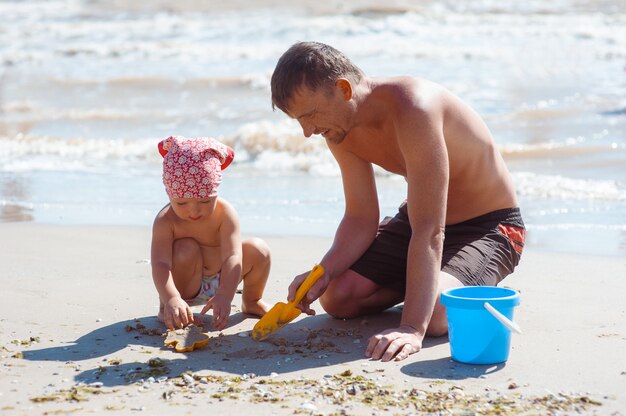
pixel 351 295
pixel 438 326
pixel 338 300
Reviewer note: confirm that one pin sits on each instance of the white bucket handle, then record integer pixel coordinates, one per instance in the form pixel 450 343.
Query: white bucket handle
pixel 503 319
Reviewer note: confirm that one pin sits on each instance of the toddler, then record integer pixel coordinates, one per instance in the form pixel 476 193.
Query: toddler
pixel 198 256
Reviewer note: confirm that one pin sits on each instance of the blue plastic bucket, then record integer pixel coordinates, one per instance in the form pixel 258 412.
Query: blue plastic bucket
pixel 476 336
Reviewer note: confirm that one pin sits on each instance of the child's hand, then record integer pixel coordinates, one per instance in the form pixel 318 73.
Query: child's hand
pixel 178 314
pixel 221 311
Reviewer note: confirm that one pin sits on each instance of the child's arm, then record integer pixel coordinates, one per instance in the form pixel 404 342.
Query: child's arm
pixel 176 312
pixel 230 274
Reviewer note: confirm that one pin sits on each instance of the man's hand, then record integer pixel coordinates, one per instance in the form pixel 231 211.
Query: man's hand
pixel 312 295
pixel 396 342
pixel 221 310
pixel 177 313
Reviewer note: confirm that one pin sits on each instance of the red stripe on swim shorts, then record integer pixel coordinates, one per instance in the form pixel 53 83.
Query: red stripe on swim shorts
pixel 515 235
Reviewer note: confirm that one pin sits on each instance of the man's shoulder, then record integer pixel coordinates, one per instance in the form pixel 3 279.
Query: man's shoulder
pixel 404 95
pixel 406 85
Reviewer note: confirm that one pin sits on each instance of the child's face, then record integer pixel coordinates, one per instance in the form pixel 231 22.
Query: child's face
pixel 193 209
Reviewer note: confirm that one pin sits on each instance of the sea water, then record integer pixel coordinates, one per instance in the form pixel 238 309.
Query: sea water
pixel 88 88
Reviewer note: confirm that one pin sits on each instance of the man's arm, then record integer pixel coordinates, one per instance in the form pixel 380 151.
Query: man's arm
pixel 422 144
pixel 426 161
pixel 357 228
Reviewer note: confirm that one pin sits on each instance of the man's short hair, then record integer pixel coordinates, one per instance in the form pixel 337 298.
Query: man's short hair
pixel 313 65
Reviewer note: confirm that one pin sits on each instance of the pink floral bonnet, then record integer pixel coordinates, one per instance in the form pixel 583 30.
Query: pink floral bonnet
pixel 192 168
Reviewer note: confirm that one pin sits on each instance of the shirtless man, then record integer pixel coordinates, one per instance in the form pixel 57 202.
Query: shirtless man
pixel 458 189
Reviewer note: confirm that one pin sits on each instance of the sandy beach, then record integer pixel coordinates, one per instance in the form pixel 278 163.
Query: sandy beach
pixel 78 335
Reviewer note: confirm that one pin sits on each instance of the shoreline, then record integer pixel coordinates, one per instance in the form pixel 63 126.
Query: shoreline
pixel 75 296
pixel 536 237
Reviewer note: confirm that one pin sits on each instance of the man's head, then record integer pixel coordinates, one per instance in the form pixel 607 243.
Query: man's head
pixel 192 168
pixel 313 65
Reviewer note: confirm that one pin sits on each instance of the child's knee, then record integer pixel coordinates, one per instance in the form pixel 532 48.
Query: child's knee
pixel 185 249
pixel 257 250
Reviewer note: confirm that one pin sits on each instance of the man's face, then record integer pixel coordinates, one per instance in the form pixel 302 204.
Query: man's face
pixel 323 112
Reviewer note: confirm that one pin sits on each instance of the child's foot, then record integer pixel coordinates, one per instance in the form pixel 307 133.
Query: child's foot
pixel 161 315
pixel 258 308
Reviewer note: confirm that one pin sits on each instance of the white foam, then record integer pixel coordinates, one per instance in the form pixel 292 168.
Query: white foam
pixel 110 44
pixel 570 146
pixel 578 226
pixel 556 186
pixel 24 153
pixel 280 147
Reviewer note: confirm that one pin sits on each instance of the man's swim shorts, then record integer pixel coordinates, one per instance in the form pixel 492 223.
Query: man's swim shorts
pixel 479 251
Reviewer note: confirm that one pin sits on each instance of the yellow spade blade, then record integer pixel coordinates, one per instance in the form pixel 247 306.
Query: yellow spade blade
pixel 275 318
pixel 283 313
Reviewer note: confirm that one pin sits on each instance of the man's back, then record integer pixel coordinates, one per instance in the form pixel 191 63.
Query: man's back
pixel 479 181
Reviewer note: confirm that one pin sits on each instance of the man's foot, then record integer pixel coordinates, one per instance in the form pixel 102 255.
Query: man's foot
pixel 258 308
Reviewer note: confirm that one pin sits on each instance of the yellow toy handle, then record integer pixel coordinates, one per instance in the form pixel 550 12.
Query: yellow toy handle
pixel 316 272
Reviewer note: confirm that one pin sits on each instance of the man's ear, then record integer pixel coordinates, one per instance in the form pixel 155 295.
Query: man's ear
pixel 345 88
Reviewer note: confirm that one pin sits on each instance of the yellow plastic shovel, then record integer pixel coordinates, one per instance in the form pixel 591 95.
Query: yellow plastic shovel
pixel 283 313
